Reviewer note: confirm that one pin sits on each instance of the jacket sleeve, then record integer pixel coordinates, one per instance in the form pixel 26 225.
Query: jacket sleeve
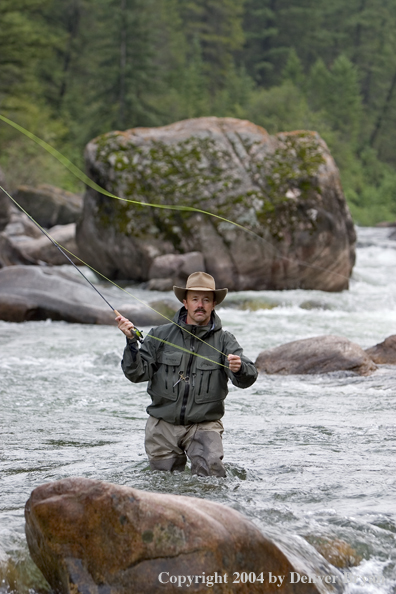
pixel 139 365
pixel 247 374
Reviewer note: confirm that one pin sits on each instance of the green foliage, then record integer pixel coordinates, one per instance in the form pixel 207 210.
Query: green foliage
pixel 73 69
pixel 293 71
pixel 23 41
pixel 217 26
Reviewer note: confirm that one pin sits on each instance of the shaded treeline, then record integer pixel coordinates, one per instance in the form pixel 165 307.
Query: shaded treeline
pixel 71 69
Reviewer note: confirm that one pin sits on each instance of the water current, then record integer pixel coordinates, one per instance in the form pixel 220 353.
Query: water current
pixel 309 458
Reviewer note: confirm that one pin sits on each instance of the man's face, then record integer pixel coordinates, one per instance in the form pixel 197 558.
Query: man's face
pixel 199 306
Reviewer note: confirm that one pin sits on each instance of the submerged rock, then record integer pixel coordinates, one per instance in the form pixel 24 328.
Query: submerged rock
pixel 251 303
pixel 284 189
pixel 89 536
pixel 39 293
pixel 314 304
pixel 49 205
pixel 321 354
pixel 384 352
pixel 337 552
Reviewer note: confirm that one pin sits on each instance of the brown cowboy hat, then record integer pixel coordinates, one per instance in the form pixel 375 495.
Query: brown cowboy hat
pixel 200 281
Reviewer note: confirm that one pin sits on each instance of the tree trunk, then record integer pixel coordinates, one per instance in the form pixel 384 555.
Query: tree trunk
pixel 73 27
pixel 123 62
pixel 383 111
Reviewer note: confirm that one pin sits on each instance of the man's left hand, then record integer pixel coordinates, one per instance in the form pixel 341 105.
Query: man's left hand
pixel 234 363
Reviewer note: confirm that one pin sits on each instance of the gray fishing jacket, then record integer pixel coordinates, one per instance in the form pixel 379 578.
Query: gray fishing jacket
pixel 199 397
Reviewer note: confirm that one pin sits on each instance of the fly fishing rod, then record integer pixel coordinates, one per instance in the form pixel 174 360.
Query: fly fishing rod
pixel 136 332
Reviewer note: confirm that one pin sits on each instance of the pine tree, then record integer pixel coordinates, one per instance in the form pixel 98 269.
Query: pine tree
pixel 344 102
pixel 217 26
pixel 261 51
pixel 122 65
pixel 293 71
pixel 319 86
pixel 63 67
pixel 23 41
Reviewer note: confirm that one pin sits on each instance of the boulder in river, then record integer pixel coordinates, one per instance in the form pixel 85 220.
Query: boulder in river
pixel 88 536
pixel 49 205
pixel 320 354
pixel 39 293
pixel 384 352
pixel 284 190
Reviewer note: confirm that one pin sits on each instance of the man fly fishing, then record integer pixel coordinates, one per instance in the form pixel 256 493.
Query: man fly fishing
pixel 187 365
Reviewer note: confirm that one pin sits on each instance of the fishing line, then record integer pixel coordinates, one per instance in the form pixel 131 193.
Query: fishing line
pixel 85 179
pixel 137 332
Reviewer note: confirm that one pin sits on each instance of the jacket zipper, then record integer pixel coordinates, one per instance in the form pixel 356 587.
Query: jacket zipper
pixel 187 384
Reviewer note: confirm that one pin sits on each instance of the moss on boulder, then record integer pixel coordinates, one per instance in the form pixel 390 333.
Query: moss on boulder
pixel 284 190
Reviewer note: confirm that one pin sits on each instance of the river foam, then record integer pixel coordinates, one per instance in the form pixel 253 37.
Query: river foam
pixel 307 457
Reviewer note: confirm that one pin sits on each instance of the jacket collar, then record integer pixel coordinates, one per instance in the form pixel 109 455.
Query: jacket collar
pixel 213 326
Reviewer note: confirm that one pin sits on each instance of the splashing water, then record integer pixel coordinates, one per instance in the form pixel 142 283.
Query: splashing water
pixel 310 459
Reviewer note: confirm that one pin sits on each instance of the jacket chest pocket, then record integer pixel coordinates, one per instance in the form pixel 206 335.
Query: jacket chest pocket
pixel 164 380
pixel 210 381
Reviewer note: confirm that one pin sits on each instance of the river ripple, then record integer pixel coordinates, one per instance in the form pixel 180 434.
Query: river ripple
pixel 306 457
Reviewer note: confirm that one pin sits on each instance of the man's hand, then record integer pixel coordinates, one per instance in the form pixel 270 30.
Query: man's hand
pixel 125 326
pixel 234 363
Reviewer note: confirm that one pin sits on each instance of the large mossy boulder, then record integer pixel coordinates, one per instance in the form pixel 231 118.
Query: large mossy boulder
pixel 284 190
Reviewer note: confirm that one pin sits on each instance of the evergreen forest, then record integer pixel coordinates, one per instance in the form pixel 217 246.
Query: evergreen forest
pixel 73 69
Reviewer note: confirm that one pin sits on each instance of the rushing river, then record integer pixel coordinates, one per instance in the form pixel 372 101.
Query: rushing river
pixel 307 457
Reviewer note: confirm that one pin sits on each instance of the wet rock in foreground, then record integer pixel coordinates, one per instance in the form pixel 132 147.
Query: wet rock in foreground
pixel 321 354
pixel 93 537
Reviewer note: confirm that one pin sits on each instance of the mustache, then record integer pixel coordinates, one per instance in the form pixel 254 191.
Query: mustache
pixel 199 310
